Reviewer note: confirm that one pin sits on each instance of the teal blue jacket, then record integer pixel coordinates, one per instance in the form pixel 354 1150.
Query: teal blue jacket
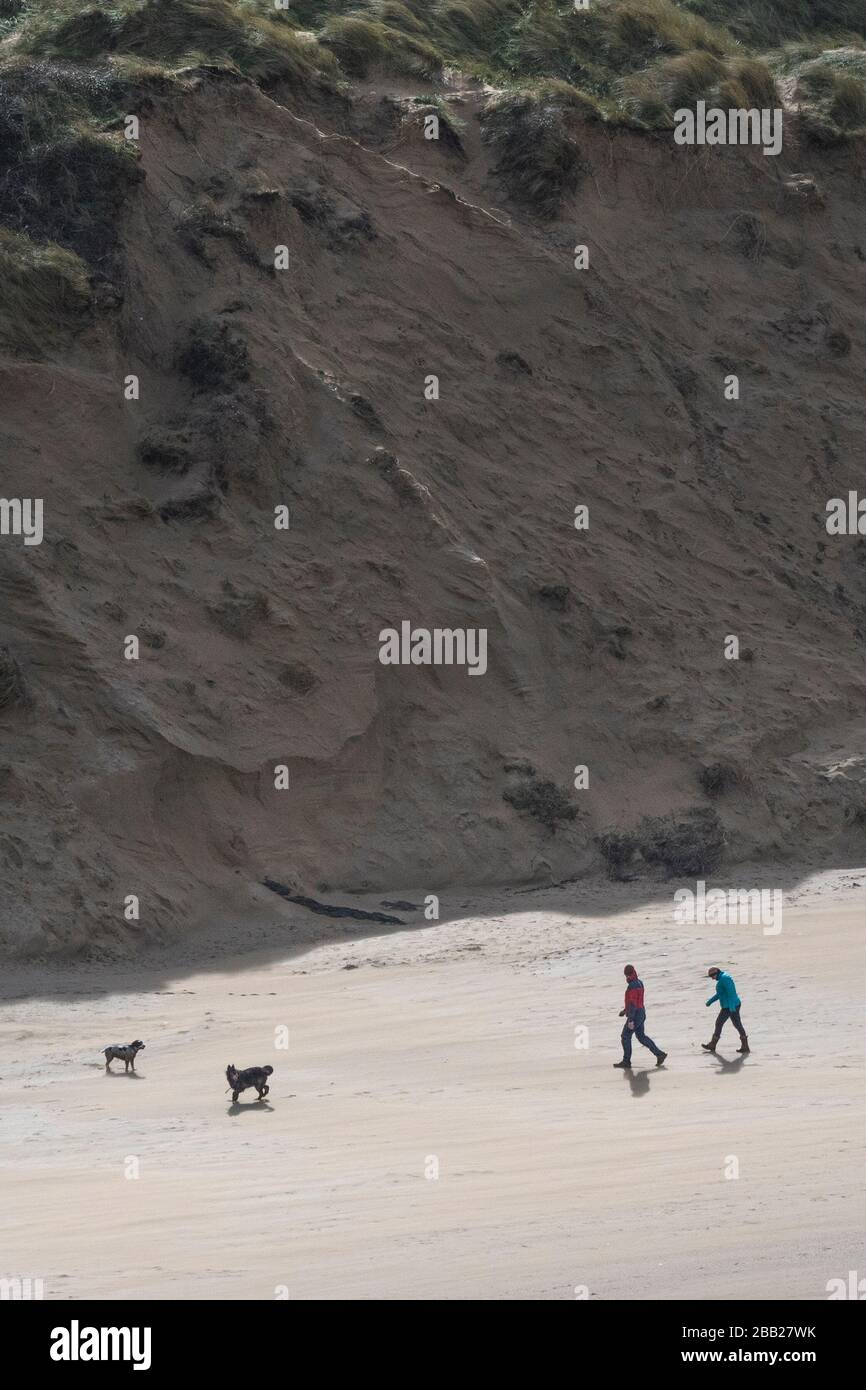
pixel 726 992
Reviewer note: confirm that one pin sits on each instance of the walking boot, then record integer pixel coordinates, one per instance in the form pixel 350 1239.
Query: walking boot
pixel 660 1059
pixel 744 1045
pixel 624 1066
pixel 710 1046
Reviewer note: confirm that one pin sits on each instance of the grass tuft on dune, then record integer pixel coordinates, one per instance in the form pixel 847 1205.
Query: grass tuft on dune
pixel 68 71
pixel 45 295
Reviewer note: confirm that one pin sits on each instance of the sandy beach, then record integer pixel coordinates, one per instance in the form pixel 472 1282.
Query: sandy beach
pixel 433 1131
pixel 430 543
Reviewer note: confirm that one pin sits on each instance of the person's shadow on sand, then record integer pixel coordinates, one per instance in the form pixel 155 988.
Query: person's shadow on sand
pixel 638 1081
pixel 726 1067
pixel 249 1107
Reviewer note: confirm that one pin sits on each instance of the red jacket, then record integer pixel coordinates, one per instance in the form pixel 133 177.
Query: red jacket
pixel 633 997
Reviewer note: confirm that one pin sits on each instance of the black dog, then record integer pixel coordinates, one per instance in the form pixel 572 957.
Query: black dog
pixel 125 1054
pixel 251 1076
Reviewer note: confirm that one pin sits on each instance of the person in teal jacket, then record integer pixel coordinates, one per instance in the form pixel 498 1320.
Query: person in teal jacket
pixel 726 994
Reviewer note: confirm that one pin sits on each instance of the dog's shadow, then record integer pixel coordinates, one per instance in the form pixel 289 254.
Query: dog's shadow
pixel 239 1107
pixel 136 1075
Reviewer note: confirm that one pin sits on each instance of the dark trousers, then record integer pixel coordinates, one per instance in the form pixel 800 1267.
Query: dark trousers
pixel 636 1032
pixel 734 1016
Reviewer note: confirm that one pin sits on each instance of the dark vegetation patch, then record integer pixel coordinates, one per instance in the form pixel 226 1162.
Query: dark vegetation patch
pixel 769 23
pixel 654 94
pixel 361 45
pixel 259 41
pixel 298 677
pixel 683 844
pixel 60 179
pixel 214 356
pixel 514 362
pixel 75 68
pixel 539 798
pixel 686 843
pixel 718 779
pixel 193 506
pixel 45 296
pixel 555 596
pixel 832 92
pixel 661 45
pixel 168 450
pixel 81 36
pixel 214 444
pixel 618 848
pixel 448 136
pixel 531 136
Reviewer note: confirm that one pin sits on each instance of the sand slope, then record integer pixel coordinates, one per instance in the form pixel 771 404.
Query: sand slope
pixel 260 648
pixel 453 1041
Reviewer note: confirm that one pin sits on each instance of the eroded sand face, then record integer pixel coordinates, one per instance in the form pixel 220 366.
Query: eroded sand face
pixel 262 647
pixel 454 1042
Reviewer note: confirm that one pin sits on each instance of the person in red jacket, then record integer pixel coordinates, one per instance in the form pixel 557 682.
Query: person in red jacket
pixel 635 1015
